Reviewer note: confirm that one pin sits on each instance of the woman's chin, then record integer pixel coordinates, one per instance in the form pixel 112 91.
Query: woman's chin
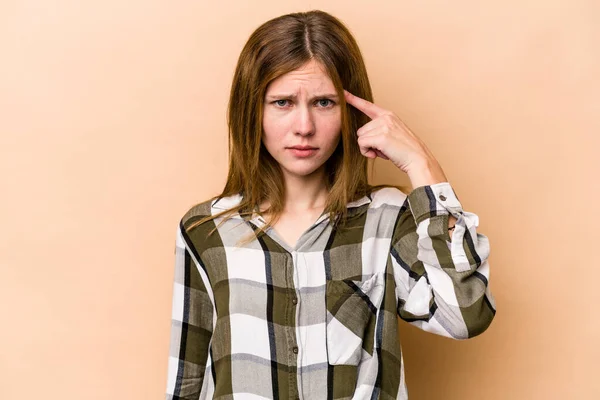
pixel 307 170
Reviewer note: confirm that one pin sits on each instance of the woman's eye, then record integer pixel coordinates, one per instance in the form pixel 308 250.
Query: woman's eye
pixel 330 103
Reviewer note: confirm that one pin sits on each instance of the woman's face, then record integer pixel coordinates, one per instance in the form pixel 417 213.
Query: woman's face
pixel 301 109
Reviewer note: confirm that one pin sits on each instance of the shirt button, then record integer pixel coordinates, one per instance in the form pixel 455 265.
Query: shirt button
pixel 294 301
pixel 295 349
pixel 442 197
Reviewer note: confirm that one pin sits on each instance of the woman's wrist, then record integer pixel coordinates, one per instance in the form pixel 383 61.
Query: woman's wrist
pixel 426 171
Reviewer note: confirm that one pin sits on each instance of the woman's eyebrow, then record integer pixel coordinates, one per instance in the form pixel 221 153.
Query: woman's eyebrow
pixel 294 96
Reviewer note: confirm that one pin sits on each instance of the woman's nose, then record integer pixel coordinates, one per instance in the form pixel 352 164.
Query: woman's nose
pixel 303 121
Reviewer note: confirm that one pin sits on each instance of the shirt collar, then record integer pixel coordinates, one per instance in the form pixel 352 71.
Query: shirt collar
pixel 225 203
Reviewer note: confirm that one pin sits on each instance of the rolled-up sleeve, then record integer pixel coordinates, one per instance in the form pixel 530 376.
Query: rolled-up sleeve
pixel 442 281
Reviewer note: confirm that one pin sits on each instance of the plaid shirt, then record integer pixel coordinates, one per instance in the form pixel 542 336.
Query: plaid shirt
pixel 319 321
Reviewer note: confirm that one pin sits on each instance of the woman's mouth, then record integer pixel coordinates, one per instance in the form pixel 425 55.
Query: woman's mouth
pixel 302 151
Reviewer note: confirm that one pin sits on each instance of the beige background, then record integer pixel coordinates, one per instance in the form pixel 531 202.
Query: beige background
pixel 112 119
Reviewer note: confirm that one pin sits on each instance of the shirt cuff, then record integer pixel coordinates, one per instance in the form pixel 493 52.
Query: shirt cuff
pixel 431 200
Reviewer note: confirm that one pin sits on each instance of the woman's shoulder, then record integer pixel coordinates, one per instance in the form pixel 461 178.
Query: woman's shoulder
pixel 390 196
pixel 210 206
pixel 198 210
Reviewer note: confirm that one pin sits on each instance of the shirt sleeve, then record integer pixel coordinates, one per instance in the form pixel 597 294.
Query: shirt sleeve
pixel 442 282
pixel 191 324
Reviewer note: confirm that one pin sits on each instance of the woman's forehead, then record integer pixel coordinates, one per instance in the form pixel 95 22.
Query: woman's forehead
pixel 295 83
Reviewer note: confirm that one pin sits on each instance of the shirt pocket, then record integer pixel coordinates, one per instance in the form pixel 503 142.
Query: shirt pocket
pixel 351 315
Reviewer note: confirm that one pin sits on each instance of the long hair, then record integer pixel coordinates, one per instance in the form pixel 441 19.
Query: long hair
pixel 275 48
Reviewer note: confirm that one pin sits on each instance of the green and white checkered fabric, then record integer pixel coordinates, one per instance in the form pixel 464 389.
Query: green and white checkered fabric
pixel 320 320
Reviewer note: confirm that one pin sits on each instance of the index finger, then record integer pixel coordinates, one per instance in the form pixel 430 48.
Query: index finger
pixel 372 110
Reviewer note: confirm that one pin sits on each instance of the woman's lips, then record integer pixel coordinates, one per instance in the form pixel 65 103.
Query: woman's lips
pixel 302 152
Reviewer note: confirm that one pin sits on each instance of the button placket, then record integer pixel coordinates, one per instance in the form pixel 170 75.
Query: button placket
pixel 295 266
pixel 292 284
pixel 295 299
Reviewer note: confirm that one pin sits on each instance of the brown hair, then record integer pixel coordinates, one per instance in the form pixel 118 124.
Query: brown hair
pixel 275 48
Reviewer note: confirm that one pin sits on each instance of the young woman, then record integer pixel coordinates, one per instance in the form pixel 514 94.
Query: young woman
pixel 289 283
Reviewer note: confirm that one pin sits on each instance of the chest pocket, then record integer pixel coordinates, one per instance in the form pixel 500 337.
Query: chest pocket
pixel 351 315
